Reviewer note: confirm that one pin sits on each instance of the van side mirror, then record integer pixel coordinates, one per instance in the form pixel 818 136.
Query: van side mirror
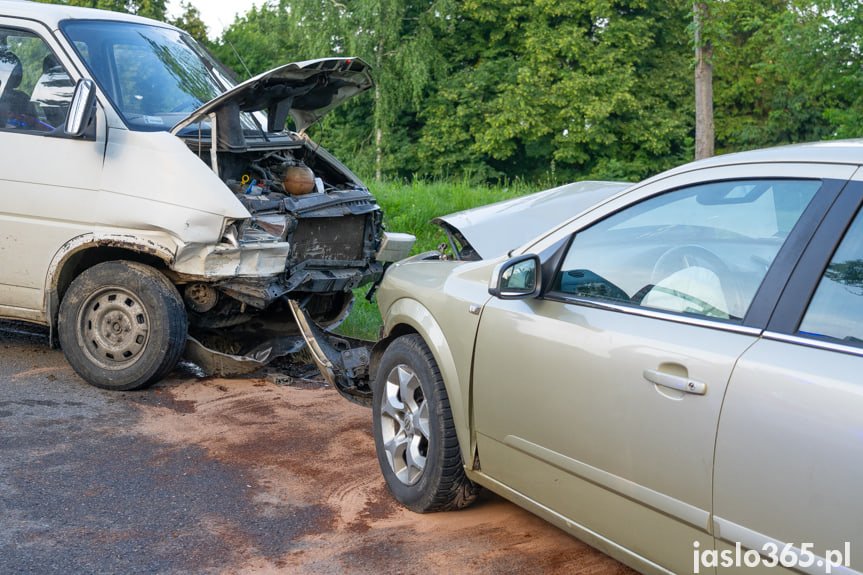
pixel 81 111
pixel 518 278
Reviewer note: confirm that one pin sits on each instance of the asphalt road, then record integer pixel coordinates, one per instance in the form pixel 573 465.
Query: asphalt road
pixel 202 475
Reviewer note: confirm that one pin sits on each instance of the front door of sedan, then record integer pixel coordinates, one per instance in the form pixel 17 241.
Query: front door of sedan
pixel 601 400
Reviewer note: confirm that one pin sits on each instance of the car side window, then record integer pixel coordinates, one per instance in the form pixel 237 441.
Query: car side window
pixel 35 90
pixel 701 250
pixel 836 309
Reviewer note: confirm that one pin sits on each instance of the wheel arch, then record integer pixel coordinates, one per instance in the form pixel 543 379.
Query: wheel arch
pixel 86 251
pixel 407 316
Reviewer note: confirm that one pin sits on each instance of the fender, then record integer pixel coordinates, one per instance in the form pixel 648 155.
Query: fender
pixel 456 378
pixel 161 246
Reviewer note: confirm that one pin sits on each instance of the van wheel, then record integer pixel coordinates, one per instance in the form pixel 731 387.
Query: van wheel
pixel 122 325
pixel 415 436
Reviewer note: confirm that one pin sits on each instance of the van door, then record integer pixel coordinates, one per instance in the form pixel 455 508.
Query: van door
pixel 48 184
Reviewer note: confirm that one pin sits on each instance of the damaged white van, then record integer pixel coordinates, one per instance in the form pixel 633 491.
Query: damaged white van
pixel 147 200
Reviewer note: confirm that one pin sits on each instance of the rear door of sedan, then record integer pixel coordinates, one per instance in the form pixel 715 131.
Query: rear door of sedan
pixel 600 401
pixel 789 453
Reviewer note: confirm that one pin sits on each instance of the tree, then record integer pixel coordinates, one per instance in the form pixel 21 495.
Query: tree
pixel 190 21
pixel 156 9
pixel 758 48
pixel 260 40
pixel 704 128
pixel 816 50
pixel 395 36
pixel 565 88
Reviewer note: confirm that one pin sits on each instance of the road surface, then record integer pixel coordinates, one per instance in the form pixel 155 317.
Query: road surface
pixel 211 476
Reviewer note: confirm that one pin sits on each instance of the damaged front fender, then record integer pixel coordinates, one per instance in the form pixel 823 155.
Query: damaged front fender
pixel 258 259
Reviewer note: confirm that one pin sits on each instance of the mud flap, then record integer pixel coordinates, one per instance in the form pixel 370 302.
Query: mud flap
pixel 343 361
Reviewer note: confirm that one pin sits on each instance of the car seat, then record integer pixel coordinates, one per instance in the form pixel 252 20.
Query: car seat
pixel 53 91
pixel 15 105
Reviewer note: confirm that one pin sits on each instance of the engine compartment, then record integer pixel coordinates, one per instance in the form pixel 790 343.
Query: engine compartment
pixel 296 193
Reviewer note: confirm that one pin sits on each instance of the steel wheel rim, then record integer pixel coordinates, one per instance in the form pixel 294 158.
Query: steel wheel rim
pixel 114 328
pixel 405 424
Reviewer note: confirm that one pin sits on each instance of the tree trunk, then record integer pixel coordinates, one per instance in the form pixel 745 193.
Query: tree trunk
pixel 379 154
pixel 704 129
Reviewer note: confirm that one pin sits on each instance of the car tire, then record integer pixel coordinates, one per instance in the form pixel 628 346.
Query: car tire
pixel 122 325
pixel 415 437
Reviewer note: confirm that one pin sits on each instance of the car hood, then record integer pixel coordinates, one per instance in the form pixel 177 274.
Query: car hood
pixel 490 231
pixel 305 90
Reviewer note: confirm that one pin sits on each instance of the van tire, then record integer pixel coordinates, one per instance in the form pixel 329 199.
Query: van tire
pixel 122 325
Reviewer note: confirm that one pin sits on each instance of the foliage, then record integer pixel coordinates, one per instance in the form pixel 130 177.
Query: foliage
pixel 258 41
pixel 190 21
pixel 817 49
pixel 410 207
pixel 554 90
pixel 155 9
pixel 589 87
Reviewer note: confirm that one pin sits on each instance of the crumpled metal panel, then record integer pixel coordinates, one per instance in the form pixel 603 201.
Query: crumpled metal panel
pixel 250 260
pixel 214 362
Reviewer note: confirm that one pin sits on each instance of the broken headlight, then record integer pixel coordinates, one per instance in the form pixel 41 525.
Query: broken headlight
pixel 266 228
pixel 271 228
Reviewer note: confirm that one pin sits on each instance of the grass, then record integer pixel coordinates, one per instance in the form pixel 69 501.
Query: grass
pixel 409 208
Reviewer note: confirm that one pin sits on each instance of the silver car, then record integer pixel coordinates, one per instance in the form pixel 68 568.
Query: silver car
pixel 671 375
pixel 150 204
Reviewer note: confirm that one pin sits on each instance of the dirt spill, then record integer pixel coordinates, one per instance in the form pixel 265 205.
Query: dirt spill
pixel 310 449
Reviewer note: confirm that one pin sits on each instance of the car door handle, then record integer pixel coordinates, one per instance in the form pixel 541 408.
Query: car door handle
pixel 675 382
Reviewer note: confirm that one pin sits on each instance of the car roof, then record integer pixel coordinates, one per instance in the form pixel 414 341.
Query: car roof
pixel 52 14
pixel 826 152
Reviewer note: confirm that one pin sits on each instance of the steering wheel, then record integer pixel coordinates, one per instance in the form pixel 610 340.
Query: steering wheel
pixel 686 256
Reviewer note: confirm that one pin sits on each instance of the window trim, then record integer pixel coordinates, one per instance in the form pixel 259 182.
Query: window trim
pixel 815 342
pixel 700 321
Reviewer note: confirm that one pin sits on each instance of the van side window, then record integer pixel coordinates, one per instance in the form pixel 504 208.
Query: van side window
pixel 35 90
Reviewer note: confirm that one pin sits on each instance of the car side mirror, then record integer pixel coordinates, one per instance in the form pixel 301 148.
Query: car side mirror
pixel 518 278
pixel 81 111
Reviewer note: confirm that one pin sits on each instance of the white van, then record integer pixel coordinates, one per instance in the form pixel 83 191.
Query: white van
pixel 147 199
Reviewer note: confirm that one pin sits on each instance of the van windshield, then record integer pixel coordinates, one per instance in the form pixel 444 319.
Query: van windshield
pixel 153 76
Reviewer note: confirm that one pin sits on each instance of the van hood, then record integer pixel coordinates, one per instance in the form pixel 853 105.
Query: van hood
pixel 306 90
pixel 490 231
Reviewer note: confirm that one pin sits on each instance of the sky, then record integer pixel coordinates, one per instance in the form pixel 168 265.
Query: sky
pixel 216 14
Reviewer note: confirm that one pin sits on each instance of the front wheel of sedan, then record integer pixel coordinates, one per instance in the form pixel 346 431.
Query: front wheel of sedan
pixel 415 436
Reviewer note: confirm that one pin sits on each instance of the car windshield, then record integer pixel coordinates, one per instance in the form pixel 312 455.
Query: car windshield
pixel 154 76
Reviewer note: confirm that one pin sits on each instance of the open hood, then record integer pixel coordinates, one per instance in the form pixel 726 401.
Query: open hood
pixel 493 230
pixel 305 90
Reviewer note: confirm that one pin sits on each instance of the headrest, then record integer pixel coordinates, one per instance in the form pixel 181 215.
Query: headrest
pixel 49 62
pixel 11 70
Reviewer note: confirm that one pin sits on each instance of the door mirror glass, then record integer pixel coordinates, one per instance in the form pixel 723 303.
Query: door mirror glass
pixel 516 278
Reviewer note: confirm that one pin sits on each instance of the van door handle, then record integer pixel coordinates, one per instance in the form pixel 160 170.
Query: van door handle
pixel 675 382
